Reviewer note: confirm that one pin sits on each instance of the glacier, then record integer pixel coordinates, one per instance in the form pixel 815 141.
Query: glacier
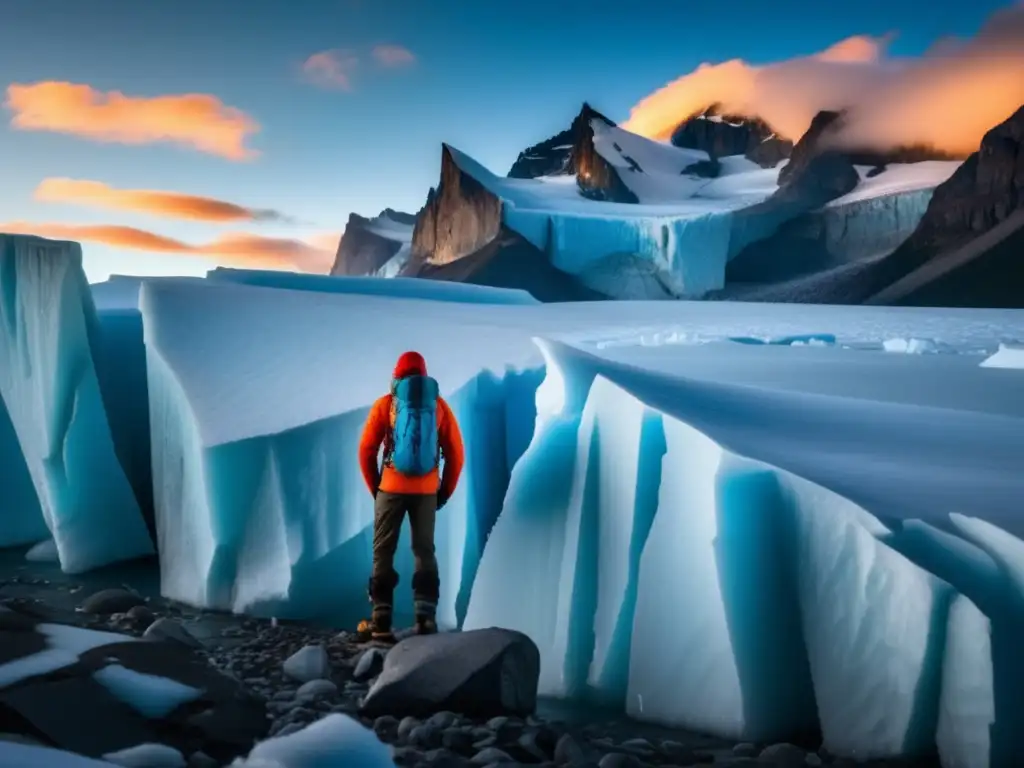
pixel 757 540
pixel 686 228
pixel 52 390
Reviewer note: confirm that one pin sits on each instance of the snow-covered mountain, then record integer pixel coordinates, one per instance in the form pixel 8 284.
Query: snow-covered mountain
pixel 377 246
pixel 599 212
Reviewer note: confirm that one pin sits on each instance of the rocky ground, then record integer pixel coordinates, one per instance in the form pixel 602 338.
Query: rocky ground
pixel 300 674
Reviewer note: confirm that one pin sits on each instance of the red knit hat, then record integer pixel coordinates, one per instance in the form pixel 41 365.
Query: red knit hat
pixel 410 364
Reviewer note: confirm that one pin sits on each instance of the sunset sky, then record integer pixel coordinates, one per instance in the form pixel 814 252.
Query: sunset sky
pixel 171 136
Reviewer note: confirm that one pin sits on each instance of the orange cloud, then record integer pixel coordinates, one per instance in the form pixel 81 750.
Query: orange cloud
pixel 393 55
pixel 195 120
pixel 947 98
pixel 168 204
pixel 238 249
pixel 331 69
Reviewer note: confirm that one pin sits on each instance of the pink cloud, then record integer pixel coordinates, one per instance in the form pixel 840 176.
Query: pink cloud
pixel 393 56
pixel 331 69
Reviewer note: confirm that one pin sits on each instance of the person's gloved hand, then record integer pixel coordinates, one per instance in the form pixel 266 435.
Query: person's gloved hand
pixel 442 499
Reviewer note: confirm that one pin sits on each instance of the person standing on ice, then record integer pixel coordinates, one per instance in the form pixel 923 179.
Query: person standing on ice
pixel 417 428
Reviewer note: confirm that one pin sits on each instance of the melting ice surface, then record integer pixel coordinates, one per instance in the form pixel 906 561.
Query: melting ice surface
pixel 750 539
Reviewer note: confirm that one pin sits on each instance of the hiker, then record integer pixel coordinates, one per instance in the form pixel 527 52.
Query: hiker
pixel 416 427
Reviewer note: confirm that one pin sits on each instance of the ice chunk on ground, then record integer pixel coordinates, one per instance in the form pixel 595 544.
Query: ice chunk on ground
pixel 150 695
pixel 49 383
pixel 406 287
pixel 335 740
pixel 26 756
pixel 909 346
pixel 41 663
pixel 1007 356
pixel 147 756
pixel 43 552
pixel 967 707
pixel 79 640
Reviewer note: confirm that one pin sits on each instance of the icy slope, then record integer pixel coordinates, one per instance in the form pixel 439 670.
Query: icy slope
pixel 49 383
pixel 371 286
pixel 22 520
pixel 746 563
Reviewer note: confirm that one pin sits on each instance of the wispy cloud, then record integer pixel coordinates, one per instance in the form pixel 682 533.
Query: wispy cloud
pixel 948 98
pixel 238 248
pixel 331 69
pixel 198 121
pixel 171 205
pixel 393 56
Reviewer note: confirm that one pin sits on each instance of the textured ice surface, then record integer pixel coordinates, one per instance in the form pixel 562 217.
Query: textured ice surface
pixel 406 287
pixel 25 756
pixel 638 486
pixel 779 595
pixel 49 383
pixel 43 552
pixel 336 740
pixel 149 695
pixel 1007 356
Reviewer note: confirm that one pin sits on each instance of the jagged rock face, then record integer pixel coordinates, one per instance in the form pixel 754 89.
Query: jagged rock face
pixel 770 152
pixel 362 251
pixel 552 157
pixel 982 192
pixel 595 177
pixel 460 217
pixel 509 261
pixel 720 134
pixel 815 173
pixel 985 191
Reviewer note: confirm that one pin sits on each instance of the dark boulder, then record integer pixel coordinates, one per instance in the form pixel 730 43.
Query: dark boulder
pixel 109 601
pixel 483 672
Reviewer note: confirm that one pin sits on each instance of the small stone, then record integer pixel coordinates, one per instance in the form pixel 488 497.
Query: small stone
pixel 202 760
pixel 619 760
pixel 406 756
pixel 316 689
pixel 289 728
pixel 425 736
pixel 740 762
pixel 310 663
pixel 141 614
pixel 369 665
pixel 490 755
pixel 745 749
pixel 169 630
pixel 530 743
pixel 486 742
pixel 783 755
pixel 442 720
pixel 457 740
pixel 812 760
pixel 568 750
pixel 147 756
pixel 108 601
pixel 443 758
pixel 407 726
pixel 496 723
pixel 638 743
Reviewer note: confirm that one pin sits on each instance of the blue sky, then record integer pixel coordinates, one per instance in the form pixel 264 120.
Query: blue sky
pixel 488 77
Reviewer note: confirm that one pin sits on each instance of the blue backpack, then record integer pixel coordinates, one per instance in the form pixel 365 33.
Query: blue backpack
pixel 414 448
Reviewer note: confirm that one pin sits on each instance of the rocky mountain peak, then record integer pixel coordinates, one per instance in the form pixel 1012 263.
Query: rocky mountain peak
pixel 721 134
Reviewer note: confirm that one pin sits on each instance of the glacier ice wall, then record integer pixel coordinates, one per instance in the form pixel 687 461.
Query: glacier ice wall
pixel 690 568
pixel 876 225
pixel 49 383
pixel 21 520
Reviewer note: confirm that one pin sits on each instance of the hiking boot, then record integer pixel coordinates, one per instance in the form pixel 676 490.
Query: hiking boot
pixel 425 625
pixel 377 632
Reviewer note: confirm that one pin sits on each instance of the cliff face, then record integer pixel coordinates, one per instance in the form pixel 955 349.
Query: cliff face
pixel 595 177
pixel 363 251
pixel 984 193
pixel 816 174
pixel 721 135
pixel 552 157
pixel 459 218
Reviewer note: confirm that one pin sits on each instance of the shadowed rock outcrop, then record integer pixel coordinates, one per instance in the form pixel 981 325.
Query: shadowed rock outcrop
pixel 362 251
pixel 596 178
pixel 551 157
pixel 721 135
pixel 969 230
pixel 460 217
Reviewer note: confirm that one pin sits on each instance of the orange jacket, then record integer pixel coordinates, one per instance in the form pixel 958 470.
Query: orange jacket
pixel 377 425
